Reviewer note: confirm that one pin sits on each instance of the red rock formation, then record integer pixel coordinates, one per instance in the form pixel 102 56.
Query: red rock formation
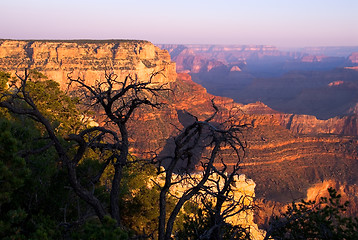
pixel 335 83
pixel 353 58
pixel 235 69
pixel 306 124
pixel 353 68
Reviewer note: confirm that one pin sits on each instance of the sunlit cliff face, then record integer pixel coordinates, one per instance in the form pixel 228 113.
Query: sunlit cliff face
pixel 320 190
pixel 88 60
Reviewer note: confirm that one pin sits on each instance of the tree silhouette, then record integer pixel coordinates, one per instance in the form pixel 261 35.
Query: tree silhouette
pixel 202 143
pixel 198 137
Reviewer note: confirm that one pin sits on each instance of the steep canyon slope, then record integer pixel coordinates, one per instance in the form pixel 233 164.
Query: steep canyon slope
pixel 286 153
pixel 306 82
pixel 283 163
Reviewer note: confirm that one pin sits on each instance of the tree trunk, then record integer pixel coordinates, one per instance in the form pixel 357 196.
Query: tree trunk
pixel 118 166
pixel 162 213
pixel 114 196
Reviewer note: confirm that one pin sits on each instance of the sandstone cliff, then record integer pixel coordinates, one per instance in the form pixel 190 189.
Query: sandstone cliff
pixel 306 124
pixel 283 163
pixel 87 59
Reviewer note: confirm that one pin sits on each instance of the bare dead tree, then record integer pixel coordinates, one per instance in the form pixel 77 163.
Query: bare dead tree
pixel 220 200
pixel 118 100
pixel 199 136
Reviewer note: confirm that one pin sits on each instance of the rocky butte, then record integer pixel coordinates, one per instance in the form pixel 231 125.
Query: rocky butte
pixel 286 153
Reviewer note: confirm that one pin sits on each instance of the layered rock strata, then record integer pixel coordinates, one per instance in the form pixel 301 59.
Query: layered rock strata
pixel 285 155
pixel 87 59
pixel 283 163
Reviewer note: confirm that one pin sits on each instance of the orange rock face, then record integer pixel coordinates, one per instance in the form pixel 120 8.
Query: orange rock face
pixel 235 69
pixel 87 59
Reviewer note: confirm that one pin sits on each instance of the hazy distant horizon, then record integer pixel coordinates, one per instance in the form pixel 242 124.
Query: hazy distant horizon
pixel 281 23
pixel 173 43
pixel 293 48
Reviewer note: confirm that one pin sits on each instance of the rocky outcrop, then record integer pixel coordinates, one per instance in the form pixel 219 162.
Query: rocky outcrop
pixel 321 59
pixel 354 109
pixel 87 59
pixel 312 58
pixel 353 68
pixel 306 124
pixel 189 61
pixel 267 209
pixel 241 196
pixel 235 69
pixel 353 58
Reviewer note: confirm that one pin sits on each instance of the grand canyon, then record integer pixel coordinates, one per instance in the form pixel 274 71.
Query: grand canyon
pixel 301 107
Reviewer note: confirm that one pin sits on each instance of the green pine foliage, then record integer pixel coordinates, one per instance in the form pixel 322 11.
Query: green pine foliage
pixel 13 173
pixel 61 109
pixel 33 187
pixel 139 199
pixel 28 195
pixel 323 219
pixel 93 230
pixel 199 224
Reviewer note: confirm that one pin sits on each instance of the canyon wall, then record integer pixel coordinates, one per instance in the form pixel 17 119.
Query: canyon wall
pixel 286 154
pixel 307 124
pixel 87 59
pixel 283 163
